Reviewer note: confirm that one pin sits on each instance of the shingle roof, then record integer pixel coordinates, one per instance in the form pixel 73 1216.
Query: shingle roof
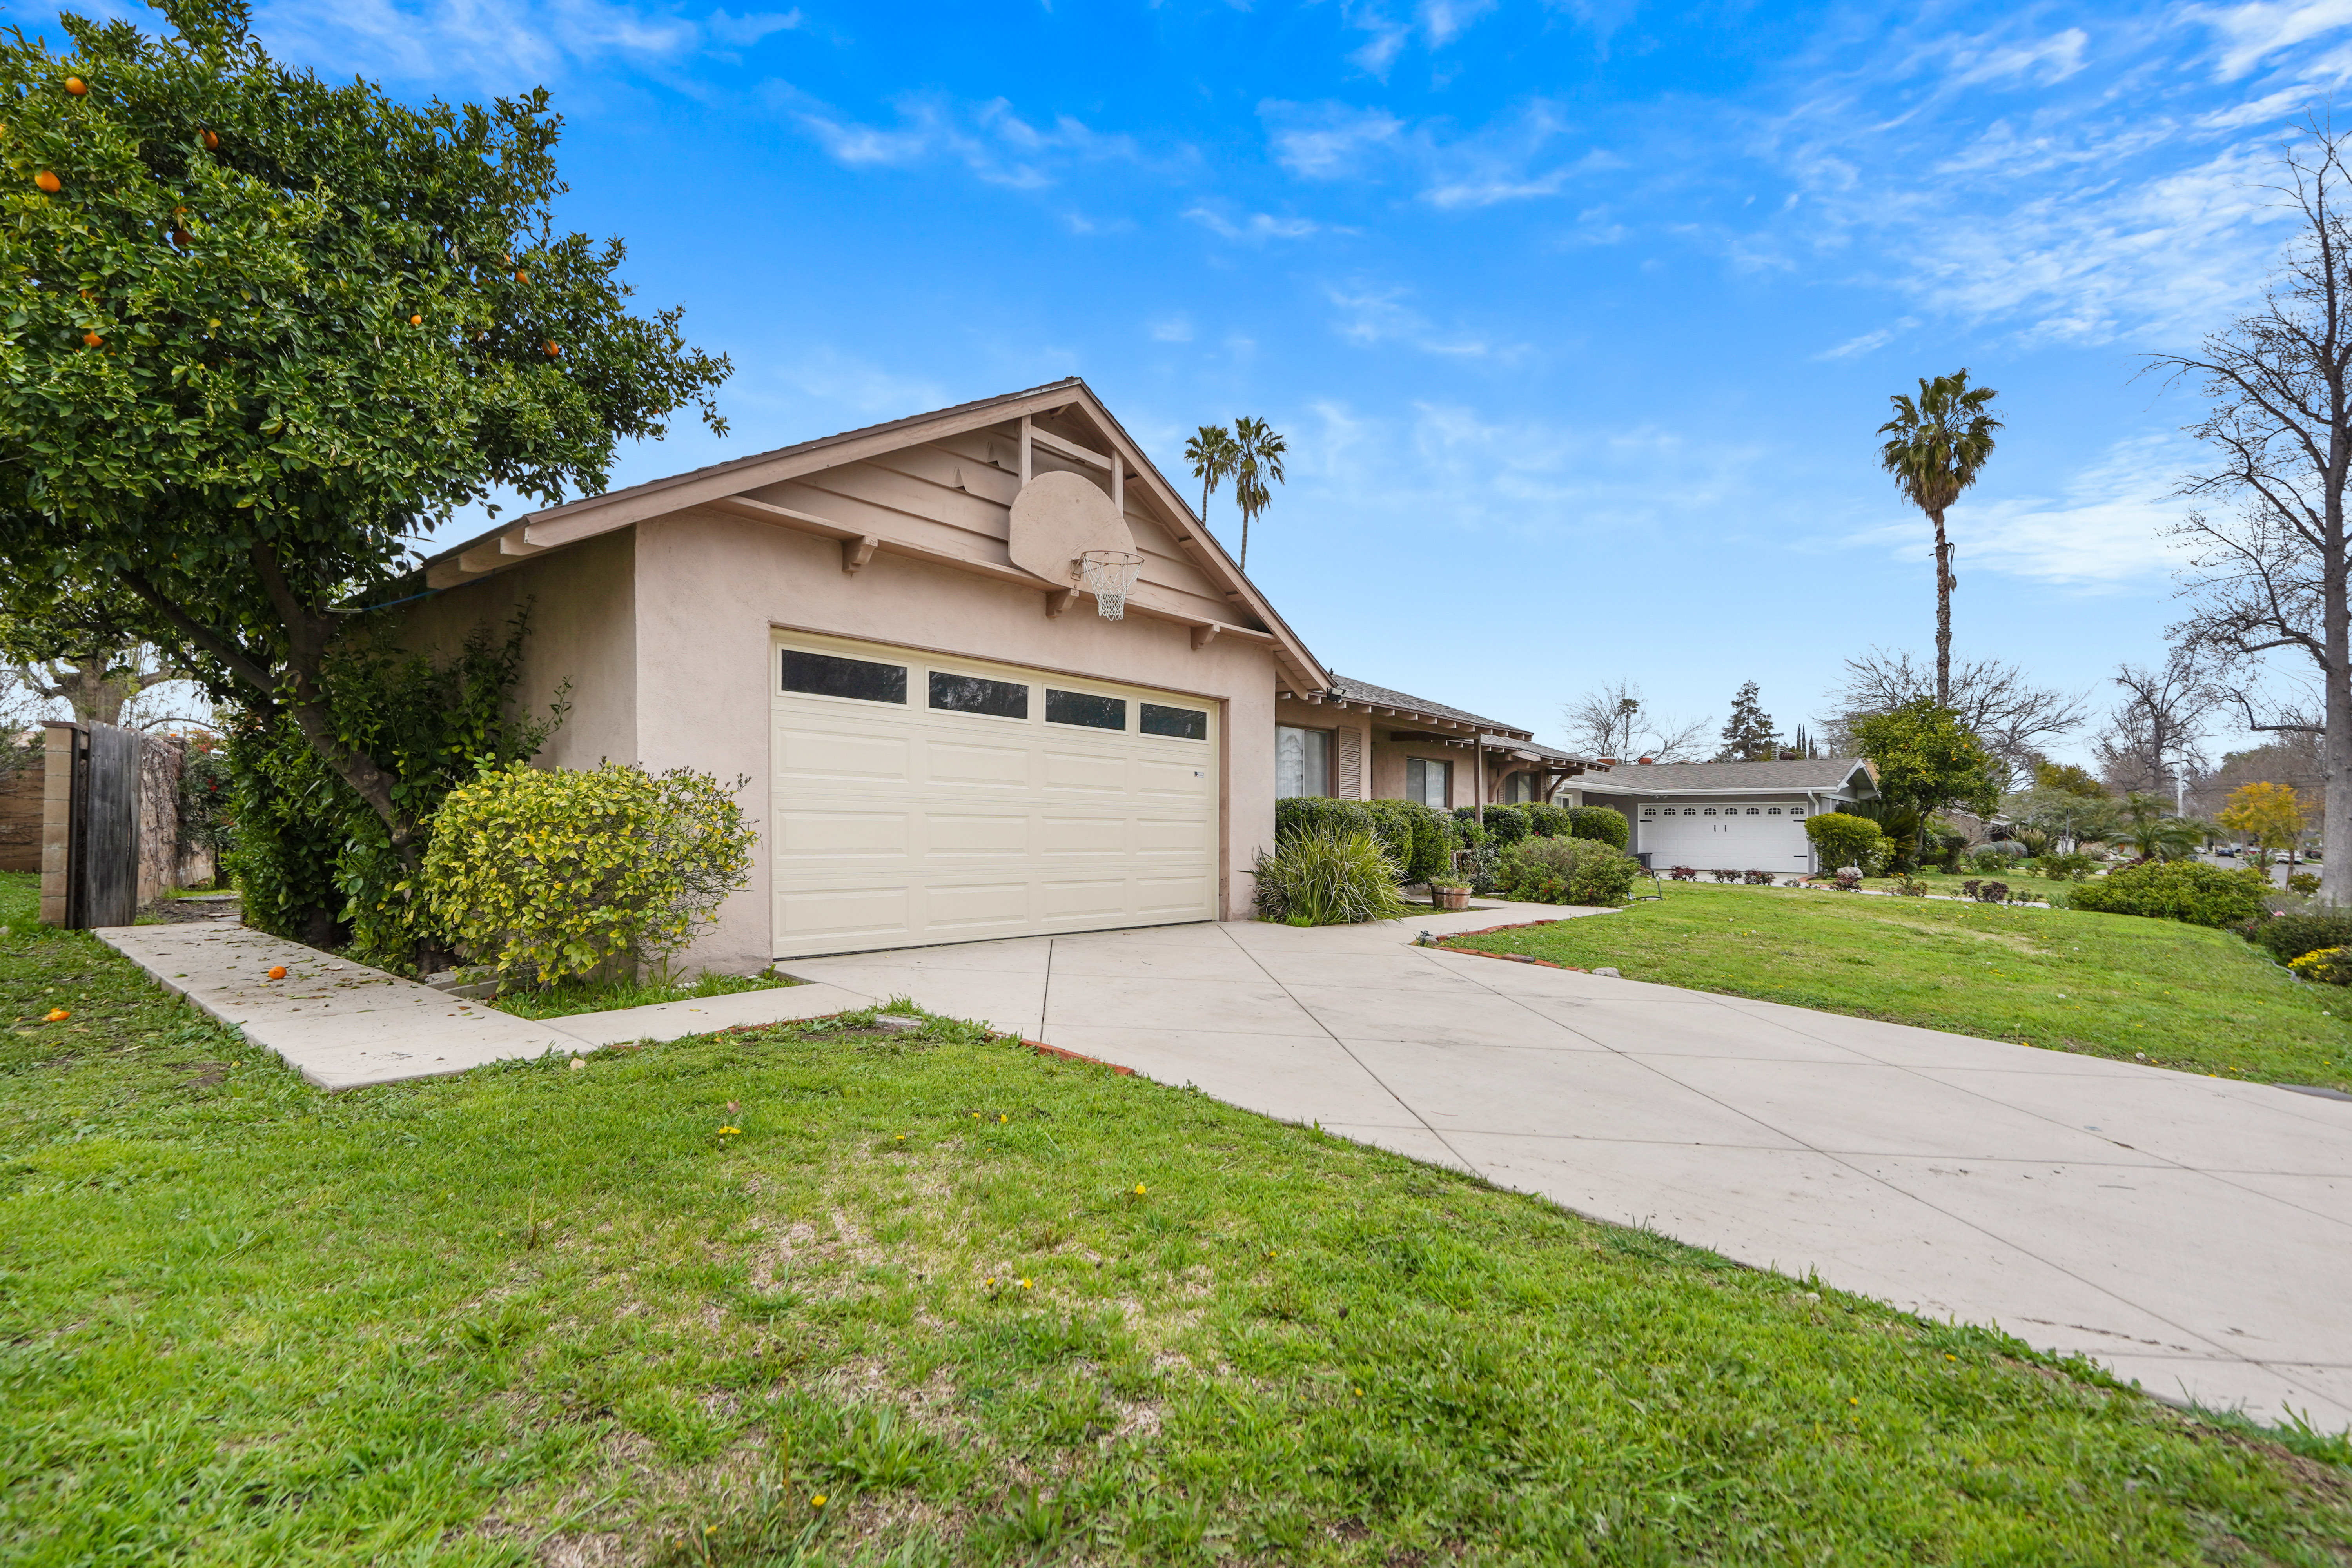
pixel 1816 772
pixel 1354 691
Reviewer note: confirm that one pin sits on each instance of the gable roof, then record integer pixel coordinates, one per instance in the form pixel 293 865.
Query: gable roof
pixel 1347 688
pixel 1774 777
pixel 723 487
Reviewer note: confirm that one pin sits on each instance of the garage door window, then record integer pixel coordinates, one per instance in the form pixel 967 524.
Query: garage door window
pixel 972 694
pixel 1085 708
pixel 1183 723
pixel 823 675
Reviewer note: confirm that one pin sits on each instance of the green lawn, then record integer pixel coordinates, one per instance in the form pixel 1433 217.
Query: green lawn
pixel 2114 986
pixel 578 997
pixel 992 1308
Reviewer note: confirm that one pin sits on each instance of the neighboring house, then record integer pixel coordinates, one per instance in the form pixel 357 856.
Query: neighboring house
pixel 1731 816
pixel 942 740
pixel 1354 741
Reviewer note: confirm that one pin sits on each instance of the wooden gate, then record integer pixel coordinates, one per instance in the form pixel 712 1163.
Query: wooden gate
pixel 102 833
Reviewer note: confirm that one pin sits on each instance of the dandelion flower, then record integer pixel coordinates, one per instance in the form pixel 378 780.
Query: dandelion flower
pixel 1026 1285
pixel 730 1133
pixel 1003 1118
pixel 817 1501
pixel 1139 1189
pixel 902 1138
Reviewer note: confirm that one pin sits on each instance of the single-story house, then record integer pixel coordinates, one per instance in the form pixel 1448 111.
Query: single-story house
pixel 944 733
pixel 1730 815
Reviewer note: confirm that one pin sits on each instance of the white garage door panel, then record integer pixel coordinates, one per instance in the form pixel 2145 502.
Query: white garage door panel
pixel 1726 839
pixel 896 824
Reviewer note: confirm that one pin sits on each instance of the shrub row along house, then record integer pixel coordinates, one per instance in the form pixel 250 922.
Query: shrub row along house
pixel 889 636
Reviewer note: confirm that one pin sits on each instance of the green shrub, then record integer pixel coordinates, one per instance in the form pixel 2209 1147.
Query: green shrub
pixel 1601 824
pixel 1843 839
pixel 1549 821
pixel 1420 838
pixel 1566 871
pixel 1508 824
pixel 2289 937
pixel 2328 966
pixel 1318 876
pixel 2074 868
pixel 2304 882
pixel 314 860
pixel 2176 890
pixel 558 874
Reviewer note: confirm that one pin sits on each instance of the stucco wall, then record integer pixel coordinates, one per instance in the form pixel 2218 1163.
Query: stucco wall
pixel 709 587
pixel 582 629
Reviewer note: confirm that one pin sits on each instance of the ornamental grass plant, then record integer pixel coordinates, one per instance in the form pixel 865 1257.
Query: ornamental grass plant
pixel 1322 878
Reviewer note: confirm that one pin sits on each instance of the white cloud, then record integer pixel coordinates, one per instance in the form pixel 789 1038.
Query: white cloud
pixel 1172 329
pixel 1868 342
pixel 989 139
pixel 2252 33
pixel 1371 313
pixel 2105 532
pixel 1257 229
pixel 438 40
pixel 2046 61
pixel 1326 140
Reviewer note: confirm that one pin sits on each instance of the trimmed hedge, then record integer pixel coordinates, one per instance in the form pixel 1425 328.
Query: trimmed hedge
pixel 1507 824
pixel 1550 821
pixel 1421 841
pixel 1602 824
pixel 2176 890
pixel 2289 937
pixel 1566 871
pixel 1845 839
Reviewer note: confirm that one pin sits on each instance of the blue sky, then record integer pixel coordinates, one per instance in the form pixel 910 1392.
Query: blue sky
pixel 1578 317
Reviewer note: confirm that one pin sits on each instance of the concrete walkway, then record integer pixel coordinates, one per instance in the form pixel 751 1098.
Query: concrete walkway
pixel 344 1026
pixel 2191 1233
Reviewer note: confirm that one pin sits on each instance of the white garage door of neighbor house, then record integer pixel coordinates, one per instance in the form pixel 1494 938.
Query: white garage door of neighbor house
pixel 925 799
pixel 1739 837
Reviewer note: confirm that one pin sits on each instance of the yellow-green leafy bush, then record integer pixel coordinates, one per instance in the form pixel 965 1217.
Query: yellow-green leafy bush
pixel 552 873
pixel 2328 966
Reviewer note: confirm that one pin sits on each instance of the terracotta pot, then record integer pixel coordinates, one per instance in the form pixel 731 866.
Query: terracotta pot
pixel 1450 898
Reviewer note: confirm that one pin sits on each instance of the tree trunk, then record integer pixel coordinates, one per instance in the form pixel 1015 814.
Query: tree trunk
pixel 2335 813
pixel 1945 583
pixel 1245 522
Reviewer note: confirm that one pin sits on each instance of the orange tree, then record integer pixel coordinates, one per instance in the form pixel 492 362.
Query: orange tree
pixel 263 333
pixel 2270 815
pixel 1927 762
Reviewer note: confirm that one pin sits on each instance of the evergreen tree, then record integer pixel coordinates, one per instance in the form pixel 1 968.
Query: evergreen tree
pixel 1749 736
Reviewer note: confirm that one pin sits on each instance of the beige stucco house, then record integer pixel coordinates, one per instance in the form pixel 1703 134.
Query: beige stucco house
pixel 942 736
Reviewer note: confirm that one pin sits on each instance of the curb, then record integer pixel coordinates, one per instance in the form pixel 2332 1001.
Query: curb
pixel 1043 1049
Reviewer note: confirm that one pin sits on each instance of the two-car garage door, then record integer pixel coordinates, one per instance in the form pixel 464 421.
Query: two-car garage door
pixel 918 798
pixel 1735 836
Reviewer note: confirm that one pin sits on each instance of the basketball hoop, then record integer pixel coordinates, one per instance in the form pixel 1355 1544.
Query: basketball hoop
pixel 1108 576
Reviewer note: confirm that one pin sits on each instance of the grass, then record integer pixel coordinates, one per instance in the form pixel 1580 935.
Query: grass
pixel 580 996
pixel 991 1307
pixel 2112 985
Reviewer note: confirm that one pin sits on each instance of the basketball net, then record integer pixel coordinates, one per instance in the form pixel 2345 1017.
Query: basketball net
pixel 1108 576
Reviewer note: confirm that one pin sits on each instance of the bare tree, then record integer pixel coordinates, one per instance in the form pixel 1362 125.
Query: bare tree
pixel 2297 758
pixel 2270 575
pixel 2152 739
pixel 2015 719
pixel 1613 720
pixel 99 688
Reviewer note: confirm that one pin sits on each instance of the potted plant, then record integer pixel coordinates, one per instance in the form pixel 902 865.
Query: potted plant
pixel 1449 893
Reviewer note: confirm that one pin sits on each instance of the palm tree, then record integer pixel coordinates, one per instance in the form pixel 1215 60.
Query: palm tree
pixel 1257 459
pixel 1939 447
pixel 2151 828
pixel 1211 454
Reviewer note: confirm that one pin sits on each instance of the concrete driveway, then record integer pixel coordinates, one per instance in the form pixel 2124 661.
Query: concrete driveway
pixel 2191 1233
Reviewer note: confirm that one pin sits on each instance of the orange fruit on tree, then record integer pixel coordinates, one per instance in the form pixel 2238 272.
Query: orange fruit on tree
pixel 92 338
pixel 554 348
pixel 523 277
pixel 415 321
pixel 76 85
pixel 49 182
pixel 211 140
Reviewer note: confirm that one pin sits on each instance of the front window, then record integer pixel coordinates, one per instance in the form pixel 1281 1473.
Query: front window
pixel 1519 789
pixel 1302 761
pixel 1430 783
